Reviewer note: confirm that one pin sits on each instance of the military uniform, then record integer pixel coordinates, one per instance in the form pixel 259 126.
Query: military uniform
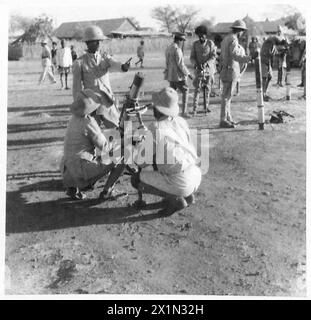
pixel 176 72
pixel 267 52
pixel 203 55
pixel 280 55
pixel 91 71
pixel 231 57
pixel 46 65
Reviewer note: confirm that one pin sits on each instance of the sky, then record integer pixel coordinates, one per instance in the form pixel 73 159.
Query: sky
pixel 75 10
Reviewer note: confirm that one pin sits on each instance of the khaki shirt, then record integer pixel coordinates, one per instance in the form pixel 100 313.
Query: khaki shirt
pixel 83 135
pixel 204 54
pixel 176 69
pixel 91 71
pixel 172 145
pixel 230 58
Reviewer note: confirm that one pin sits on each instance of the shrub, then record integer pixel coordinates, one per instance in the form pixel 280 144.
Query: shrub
pixel 15 52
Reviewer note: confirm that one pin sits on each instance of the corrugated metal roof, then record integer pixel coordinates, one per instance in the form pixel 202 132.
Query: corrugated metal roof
pixel 72 29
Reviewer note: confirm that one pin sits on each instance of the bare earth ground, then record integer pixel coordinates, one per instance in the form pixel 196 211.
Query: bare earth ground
pixel 245 235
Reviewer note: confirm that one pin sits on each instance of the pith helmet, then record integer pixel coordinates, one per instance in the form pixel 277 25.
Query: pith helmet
pixel 45 40
pixel 85 103
pixel 166 101
pixel 93 33
pixel 239 24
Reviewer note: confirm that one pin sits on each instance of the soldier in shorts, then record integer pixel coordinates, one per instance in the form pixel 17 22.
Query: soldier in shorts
pixel 268 50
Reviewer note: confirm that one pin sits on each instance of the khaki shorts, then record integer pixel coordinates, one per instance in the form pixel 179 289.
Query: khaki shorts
pixel 182 184
pixel 81 173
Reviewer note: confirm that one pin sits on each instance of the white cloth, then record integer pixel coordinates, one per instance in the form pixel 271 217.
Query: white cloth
pixel 181 184
pixel 63 57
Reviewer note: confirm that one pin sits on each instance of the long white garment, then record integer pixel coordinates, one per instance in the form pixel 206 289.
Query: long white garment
pixel 63 57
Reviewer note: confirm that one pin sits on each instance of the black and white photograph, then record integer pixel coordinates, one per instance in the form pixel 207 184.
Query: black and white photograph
pixel 154 148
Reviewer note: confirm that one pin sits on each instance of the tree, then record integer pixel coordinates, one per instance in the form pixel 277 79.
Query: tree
pixel 184 18
pixel 19 23
pixel 296 22
pixel 165 15
pixel 39 27
pixel 209 23
pixel 175 18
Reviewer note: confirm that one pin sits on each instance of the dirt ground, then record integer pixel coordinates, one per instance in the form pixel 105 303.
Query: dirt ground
pixel 245 235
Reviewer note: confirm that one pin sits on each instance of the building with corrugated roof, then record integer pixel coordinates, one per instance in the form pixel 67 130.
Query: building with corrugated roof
pixel 74 30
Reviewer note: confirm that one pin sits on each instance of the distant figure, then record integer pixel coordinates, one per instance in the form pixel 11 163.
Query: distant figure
pixel 53 53
pixel 46 63
pixel 176 72
pixel 303 72
pixel 253 47
pixel 64 62
pixel 281 55
pixel 267 52
pixel 140 54
pixel 231 58
pixel 74 55
pixel 302 64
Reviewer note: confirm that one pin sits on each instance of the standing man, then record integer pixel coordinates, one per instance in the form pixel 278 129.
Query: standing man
pixel 231 57
pixel 140 54
pixel 267 53
pixel 74 55
pixel 281 55
pixel 253 47
pixel 53 53
pixel 203 57
pixel 91 71
pixel 176 72
pixel 46 63
pixel 64 62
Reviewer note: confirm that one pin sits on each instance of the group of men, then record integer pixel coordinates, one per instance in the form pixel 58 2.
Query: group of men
pixel 203 56
pixel 60 59
pixel 95 108
pixel 176 178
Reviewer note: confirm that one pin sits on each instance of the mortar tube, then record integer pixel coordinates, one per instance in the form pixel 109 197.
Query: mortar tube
pixel 259 90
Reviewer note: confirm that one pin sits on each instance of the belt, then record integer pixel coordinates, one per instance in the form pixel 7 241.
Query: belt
pixel 44 57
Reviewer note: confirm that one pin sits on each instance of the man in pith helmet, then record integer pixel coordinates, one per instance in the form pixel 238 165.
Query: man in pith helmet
pixel 80 167
pixel 91 71
pixel 176 176
pixel 46 58
pixel 232 54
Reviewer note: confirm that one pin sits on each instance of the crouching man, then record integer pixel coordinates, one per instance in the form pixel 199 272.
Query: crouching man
pixel 80 167
pixel 174 174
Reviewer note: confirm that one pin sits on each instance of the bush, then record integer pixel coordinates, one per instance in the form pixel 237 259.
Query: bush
pixel 15 52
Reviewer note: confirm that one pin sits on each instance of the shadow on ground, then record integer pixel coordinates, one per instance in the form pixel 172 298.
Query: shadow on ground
pixel 22 216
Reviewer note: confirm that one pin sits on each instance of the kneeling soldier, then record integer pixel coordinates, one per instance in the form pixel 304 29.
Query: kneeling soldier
pixel 175 177
pixel 80 167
